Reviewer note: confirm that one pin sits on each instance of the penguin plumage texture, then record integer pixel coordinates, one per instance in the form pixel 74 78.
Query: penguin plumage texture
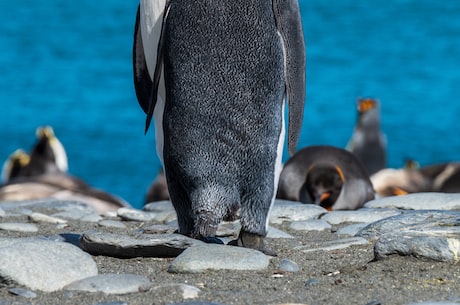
pixel 328 176
pixel 368 142
pixel 217 91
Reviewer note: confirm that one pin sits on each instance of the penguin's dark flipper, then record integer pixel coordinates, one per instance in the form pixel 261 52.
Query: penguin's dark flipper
pixel 142 82
pixel 289 25
pixel 253 241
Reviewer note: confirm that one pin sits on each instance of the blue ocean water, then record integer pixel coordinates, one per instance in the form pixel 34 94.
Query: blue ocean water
pixel 68 65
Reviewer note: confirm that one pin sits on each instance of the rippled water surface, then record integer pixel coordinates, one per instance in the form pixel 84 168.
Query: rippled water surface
pixel 68 65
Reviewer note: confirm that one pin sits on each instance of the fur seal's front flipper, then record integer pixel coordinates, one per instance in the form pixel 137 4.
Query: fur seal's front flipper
pixel 142 82
pixel 289 25
pixel 253 241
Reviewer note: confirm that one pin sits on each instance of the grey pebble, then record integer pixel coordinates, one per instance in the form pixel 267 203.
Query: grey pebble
pixel 132 214
pixel 311 282
pixel 163 211
pixel 112 303
pixel 215 257
pixel 39 217
pixel 351 230
pixel 142 245
pixel 82 215
pixel 284 210
pixel 18 227
pixel 418 201
pixel 358 216
pixel 436 303
pixel 273 232
pixel 159 206
pixel 335 244
pixel 187 291
pixel 111 224
pixel 157 229
pixel 111 284
pixel 310 225
pixel 43 270
pixel 196 303
pixel 68 208
pixel 286 265
pixel 22 292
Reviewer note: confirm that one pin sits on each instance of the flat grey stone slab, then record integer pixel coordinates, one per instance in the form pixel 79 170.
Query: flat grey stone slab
pixel 142 245
pixel 66 209
pixel 358 216
pixel 40 217
pixel 43 265
pixel 432 234
pixel 351 230
pixel 111 284
pixel 310 225
pixel 197 303
pixel 430 221
pixel 418 201
pixel 273 232
pixel 111 223
pixel 334 244
pixel 436 303
pixel 135 214
pixel 18 227
pixel 437 248
pixel 218 257
pixel 284 210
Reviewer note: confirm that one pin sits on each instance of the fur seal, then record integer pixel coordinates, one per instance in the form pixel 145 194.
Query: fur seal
pixel 215 80
pixel 440 177
pixel 329 176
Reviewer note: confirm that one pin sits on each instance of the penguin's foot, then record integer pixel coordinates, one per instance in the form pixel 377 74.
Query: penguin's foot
pixel 253 241
pixel 210 239
pixel 206 239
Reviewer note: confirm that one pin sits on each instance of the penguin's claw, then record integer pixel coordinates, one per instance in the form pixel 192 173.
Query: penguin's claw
pixel 253 241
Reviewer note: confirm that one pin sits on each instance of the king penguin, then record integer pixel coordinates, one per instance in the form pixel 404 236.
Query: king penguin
pixel 368 142
pixel 328 176
pixel 215 75
pixel 47 156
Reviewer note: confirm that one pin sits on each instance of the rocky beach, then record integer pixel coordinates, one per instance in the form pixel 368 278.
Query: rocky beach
pixel 397 250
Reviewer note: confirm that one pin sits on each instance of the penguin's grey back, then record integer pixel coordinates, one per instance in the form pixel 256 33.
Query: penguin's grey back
pixel 223 115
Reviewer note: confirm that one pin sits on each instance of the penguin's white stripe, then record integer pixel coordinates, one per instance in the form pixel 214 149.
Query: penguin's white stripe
pixel 278 163
pixel 60 155
pixel 279 156
pixel 151 18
